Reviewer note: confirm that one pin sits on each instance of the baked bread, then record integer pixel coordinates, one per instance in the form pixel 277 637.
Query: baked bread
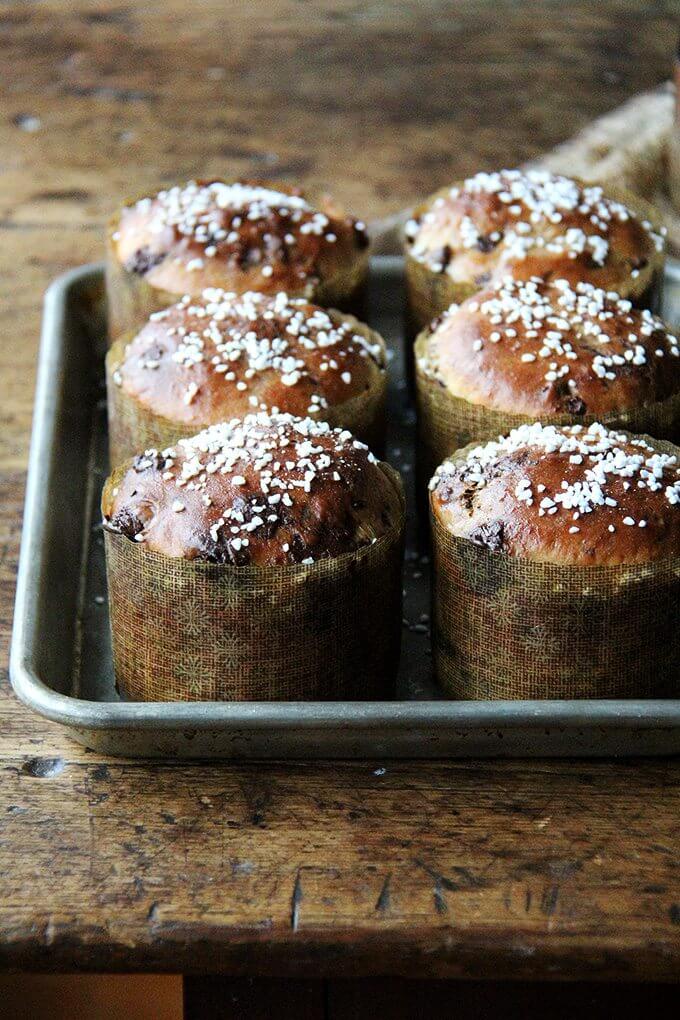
pixel 561 353
pixel 258 560
pixel 528 224
pixel 557 565
pixel 239 236
pixel 220 356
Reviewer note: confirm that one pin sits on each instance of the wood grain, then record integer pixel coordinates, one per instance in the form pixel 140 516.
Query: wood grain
pixel 480 869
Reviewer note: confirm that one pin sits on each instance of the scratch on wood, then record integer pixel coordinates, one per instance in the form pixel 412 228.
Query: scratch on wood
pixel 383 902
pixel 440 904
pixel 241 867
pixel 62 195
pixel 107 18
pixel 464 878
pixel 43 768
pixel 563 869
pixel 120 95
pixel 467 879
pixel 549 900
pixel 295 902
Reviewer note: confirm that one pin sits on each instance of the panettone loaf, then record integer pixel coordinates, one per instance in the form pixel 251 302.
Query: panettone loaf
pixel 239 236
pixel 258 560
pixel 222 355
pixel 529 224
pixel 557 565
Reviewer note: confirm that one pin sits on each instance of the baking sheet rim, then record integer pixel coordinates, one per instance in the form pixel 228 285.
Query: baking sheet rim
pixel 253 716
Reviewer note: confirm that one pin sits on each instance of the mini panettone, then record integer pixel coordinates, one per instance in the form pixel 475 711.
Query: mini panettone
pixel 557 566
pixel 240 236
pixel 528 224
pixel 221 355
pixel 259 560
pixel 557 352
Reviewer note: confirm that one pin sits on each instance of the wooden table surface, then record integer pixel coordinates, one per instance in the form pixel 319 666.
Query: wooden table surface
pixel 487 869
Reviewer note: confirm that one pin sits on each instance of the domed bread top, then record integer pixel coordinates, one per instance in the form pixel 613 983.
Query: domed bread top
pixel 244 235
pixel 541 348
pixel 534 223
pixel 564 495
pixel 223 355
pixel 264 490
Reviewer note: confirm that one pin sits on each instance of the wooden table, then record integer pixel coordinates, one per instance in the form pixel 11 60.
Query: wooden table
pixel 486 870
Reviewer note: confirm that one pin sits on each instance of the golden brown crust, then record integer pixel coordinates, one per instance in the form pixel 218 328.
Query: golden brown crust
pixel 566 496
pixel 240 236
pixel 544 349
pixel 263 491
pixel 531 224
pixel 221 356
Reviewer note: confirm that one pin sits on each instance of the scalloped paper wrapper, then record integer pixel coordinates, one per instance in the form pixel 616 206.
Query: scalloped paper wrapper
pixel 134 428
pixel 507 628
pixel 428 294
pixel 189 631
pixel 131 300
pixel 446 422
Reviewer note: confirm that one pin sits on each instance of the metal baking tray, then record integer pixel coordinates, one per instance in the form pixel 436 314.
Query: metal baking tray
pixel 61 655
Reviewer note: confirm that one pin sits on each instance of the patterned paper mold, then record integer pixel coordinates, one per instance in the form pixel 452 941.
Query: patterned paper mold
pixel 557 566
pixel 528 350
pixel 259 560
pixel 528 224
pixel 238 236
pixel 221 355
